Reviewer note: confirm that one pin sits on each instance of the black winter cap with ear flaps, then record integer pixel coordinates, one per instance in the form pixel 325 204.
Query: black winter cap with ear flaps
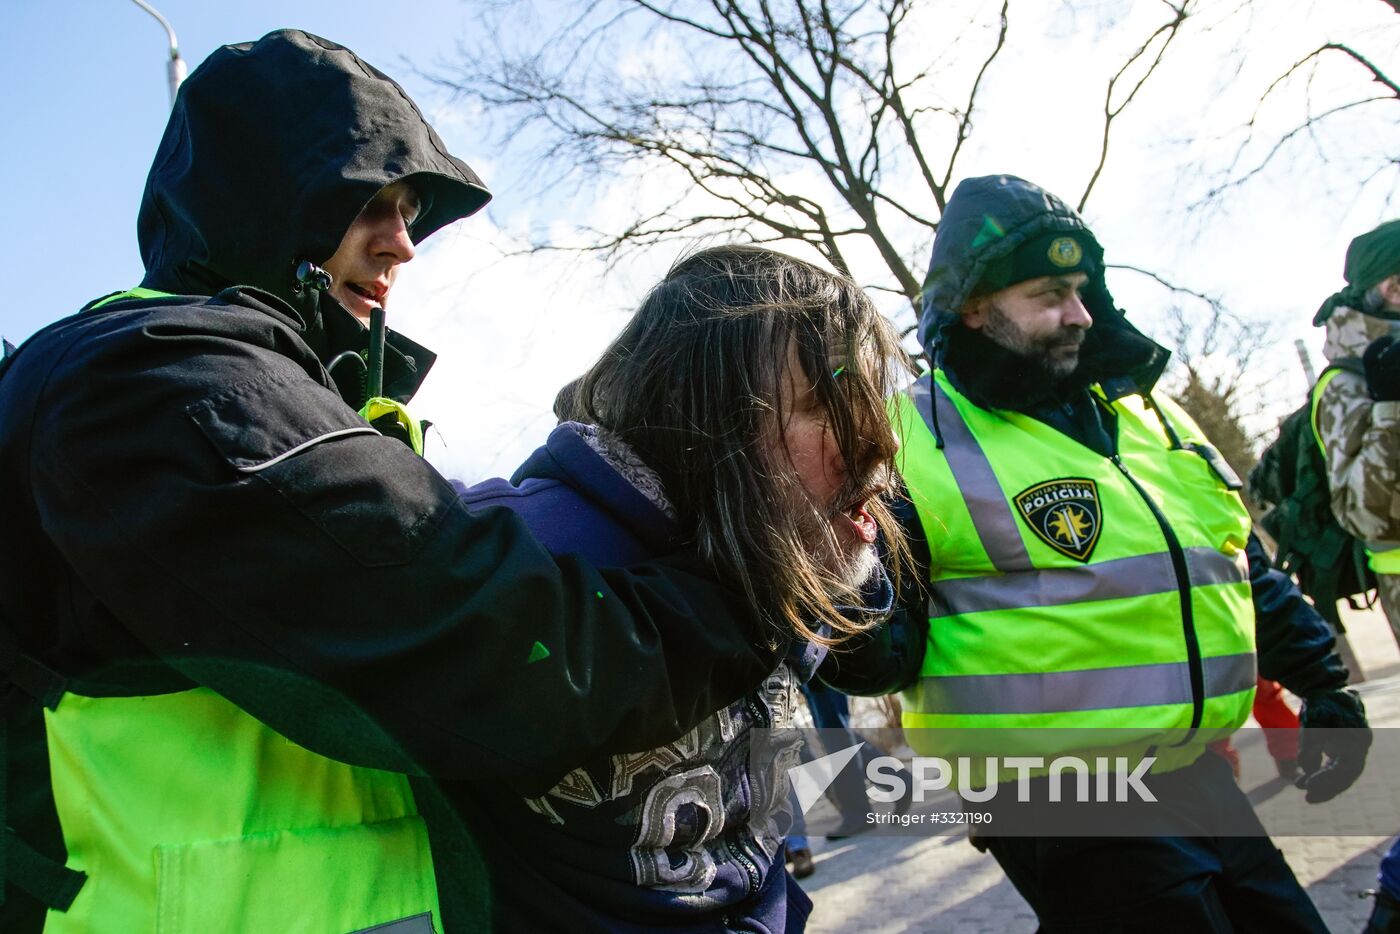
pixel 272 149
pixel 991 217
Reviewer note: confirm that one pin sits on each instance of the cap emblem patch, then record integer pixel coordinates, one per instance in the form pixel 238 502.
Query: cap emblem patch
pixel 1065 252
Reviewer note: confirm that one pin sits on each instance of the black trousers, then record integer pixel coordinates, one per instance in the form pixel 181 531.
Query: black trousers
pixel 1178 884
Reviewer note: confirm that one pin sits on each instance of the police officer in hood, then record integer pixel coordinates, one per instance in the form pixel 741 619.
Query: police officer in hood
pixel 243 634
pixel 1091 567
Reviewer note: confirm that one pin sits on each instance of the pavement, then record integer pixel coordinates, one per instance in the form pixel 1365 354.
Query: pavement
pixel 941 883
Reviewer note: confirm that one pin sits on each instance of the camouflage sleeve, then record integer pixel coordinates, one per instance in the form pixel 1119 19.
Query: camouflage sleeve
pixel 1361 439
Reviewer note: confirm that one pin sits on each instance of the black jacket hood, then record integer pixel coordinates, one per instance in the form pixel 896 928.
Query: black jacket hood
pixel 272 149
pixel 985 219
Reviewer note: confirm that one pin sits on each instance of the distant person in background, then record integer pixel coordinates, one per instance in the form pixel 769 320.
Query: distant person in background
pixel 1356 405
pixel 1356 416
pixel 741 412
pixel 831 710
pixel 797 847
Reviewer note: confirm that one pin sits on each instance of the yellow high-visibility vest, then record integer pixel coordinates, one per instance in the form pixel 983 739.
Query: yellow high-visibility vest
pixel 1072 591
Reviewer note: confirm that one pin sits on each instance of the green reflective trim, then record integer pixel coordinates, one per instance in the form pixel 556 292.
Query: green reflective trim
pixel 136 292
pixel 379 406
pixel 1386 562
pixel 1327 377
pixel 1381 561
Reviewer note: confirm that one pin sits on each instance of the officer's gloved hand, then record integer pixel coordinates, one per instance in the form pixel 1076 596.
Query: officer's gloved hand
pixel 1382 362
pixel 392 420
pixel 1334 742
pixel 390 426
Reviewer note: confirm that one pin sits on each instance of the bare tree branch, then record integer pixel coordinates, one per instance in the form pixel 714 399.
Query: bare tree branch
pixel 1211 300
pixel 1377 75
pixel 1281 143
pixel 1246 164
pixel 965 124
pixel 1166 32
pixel 796 120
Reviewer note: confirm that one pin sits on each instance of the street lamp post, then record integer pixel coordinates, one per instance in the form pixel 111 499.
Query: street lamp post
pixel 175 68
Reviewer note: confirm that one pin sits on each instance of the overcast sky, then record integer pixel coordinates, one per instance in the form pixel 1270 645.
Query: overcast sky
pixel 85 105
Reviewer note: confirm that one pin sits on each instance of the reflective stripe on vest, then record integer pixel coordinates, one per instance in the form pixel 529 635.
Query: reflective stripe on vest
pixel 1133 576
pixel 1026 633
pixel 1383 557
pixel 977 482
pixel 189 815
pixel 1091 689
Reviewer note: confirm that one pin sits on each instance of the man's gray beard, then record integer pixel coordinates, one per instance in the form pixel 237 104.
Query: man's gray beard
pixel 862 568
pixel 851 568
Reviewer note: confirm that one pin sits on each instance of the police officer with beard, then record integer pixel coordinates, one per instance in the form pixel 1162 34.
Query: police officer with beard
pixel 1090 567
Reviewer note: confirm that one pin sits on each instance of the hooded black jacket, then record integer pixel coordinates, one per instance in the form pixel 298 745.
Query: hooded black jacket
pixel 189 501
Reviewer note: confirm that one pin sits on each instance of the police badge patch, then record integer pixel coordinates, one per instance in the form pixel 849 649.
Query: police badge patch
pixel 1065 252
pixel 1065 514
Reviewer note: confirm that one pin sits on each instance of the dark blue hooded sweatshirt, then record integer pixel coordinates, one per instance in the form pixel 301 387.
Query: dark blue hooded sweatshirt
pixel 663 839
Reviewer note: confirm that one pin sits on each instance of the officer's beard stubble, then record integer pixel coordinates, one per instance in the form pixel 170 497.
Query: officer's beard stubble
pixel 1052 358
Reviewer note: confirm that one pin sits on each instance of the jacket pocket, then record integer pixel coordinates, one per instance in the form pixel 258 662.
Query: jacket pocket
pixel 326 880
pixel 370 494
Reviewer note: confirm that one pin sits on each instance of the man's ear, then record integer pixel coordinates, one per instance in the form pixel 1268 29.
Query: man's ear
pixel 974 312
pixel 1390 290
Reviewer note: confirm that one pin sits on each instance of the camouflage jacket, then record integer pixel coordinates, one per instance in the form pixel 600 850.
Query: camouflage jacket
pixel 1361 438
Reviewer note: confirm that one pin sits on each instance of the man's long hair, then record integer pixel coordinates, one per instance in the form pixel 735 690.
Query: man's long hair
pixel 697 384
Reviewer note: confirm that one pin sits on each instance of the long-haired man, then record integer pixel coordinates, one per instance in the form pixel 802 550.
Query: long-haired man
pixel 741 411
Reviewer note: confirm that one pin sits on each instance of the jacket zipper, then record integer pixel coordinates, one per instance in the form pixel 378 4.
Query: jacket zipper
pixel 760 717
pixel 737 851
pixel 756 710
pixel 1183 589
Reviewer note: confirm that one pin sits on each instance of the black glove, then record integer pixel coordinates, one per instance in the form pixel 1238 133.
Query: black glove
pixel 390 427
pixel 1334 742
pixel 1382 362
